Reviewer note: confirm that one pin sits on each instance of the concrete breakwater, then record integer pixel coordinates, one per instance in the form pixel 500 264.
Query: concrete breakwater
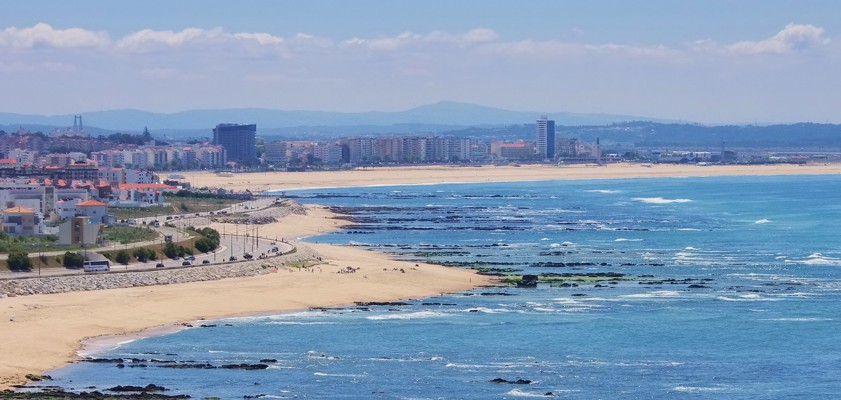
pixel 168 276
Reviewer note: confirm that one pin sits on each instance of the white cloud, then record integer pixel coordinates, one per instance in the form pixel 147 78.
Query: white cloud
pixel 406 39
pixel 43 34
pixel 150 39
pixel 794 37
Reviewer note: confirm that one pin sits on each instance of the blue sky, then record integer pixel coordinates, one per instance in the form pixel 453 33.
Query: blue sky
pixel 705 61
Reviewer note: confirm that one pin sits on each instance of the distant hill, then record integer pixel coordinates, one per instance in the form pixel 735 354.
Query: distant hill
pixel 658 135
pixel 446 118
pixel 428 118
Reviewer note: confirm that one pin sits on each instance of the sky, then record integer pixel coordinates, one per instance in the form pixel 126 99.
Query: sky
pixel 705 61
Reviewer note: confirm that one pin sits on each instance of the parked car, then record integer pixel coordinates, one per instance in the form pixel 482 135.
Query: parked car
pixel 186 263
pixel 247 256
pixel 232 258
pixel 159 265
pixel 205 261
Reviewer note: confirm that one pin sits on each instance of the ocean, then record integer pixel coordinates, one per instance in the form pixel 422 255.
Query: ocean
pixel 696 288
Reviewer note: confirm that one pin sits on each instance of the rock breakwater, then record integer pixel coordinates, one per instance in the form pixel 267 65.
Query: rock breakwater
pixel 169 276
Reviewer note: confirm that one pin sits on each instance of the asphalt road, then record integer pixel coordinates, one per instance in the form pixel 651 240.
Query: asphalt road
pixel 232 245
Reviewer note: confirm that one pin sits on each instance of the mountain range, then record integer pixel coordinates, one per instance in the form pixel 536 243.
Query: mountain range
pixel 436 117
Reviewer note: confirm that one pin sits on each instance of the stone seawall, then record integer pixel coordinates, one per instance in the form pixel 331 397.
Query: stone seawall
pixel 165 276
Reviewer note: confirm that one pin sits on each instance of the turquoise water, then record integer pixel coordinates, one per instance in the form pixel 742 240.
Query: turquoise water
pixel 730 290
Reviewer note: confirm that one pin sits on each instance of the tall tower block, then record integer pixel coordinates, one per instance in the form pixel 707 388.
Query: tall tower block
pixel 545 140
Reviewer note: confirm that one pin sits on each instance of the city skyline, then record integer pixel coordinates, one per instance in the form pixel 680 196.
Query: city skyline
pixel 699 61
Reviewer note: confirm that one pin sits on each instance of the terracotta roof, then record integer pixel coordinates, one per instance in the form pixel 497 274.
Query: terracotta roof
pixel 91 203
pixel 19 210
pixel 129 186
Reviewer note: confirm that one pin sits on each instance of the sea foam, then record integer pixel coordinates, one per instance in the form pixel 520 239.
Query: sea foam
pixel 660 200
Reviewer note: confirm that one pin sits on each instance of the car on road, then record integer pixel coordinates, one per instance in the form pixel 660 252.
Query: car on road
pixel 205 261
pixel 186 263
pixel 247 256
pixel 159 265
pixel 190 258
pixel 232 258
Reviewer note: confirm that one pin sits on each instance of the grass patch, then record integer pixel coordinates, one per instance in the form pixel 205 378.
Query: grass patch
pixel 181 205
pixel 177 205
pixel 139 212
pixel 301 264
pixel 128 234
pixel 31 244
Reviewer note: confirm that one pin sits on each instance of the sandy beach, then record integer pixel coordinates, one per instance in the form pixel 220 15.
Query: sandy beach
pixel 43 332
pixel 450 174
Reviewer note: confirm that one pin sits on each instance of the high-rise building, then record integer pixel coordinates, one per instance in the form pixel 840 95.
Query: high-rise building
pixel 545 142
pixel 239 142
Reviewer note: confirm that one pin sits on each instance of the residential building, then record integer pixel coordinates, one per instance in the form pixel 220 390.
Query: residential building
pixel 96 211
pixel 21 221
pixel 275 153
pixel 545 140
pixel 513 151
pixel 239 142
pixel 79 230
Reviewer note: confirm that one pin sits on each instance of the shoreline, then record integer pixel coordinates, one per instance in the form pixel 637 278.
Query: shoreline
pixel 39 333
pixel 446 174
pixel 43 332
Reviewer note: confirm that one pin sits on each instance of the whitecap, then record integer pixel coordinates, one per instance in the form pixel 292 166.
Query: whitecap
pixel 487 310
pixel 655 294
pixel 697 389
pixel 799 319
pixel 689 229
pixel 522 393
pixel 338 375
pixel 627 240
pixel 818 259
pixel 660 200
pixel 603 191
pixel 414 315
pixel 762 221
pixel 746 297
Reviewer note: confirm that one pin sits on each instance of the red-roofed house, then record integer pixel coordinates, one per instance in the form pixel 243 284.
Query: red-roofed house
pixel 145 193
pixel 97 211
pixel 21 221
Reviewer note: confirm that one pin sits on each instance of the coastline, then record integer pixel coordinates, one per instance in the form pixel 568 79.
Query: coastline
pixel 442 174
pixel 39 333
pixel 44 332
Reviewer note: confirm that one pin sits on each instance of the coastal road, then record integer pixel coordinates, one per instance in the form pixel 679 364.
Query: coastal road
pixel 234 245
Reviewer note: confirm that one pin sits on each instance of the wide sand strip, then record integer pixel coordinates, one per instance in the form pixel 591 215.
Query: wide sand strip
pixel 260 181
pixel 42 332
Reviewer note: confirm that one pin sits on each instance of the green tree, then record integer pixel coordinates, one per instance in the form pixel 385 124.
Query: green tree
pixel 122 257
pixel 140 254
pixel 73 260
pixel 19 261
pixel 205 245
pixel 171 250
